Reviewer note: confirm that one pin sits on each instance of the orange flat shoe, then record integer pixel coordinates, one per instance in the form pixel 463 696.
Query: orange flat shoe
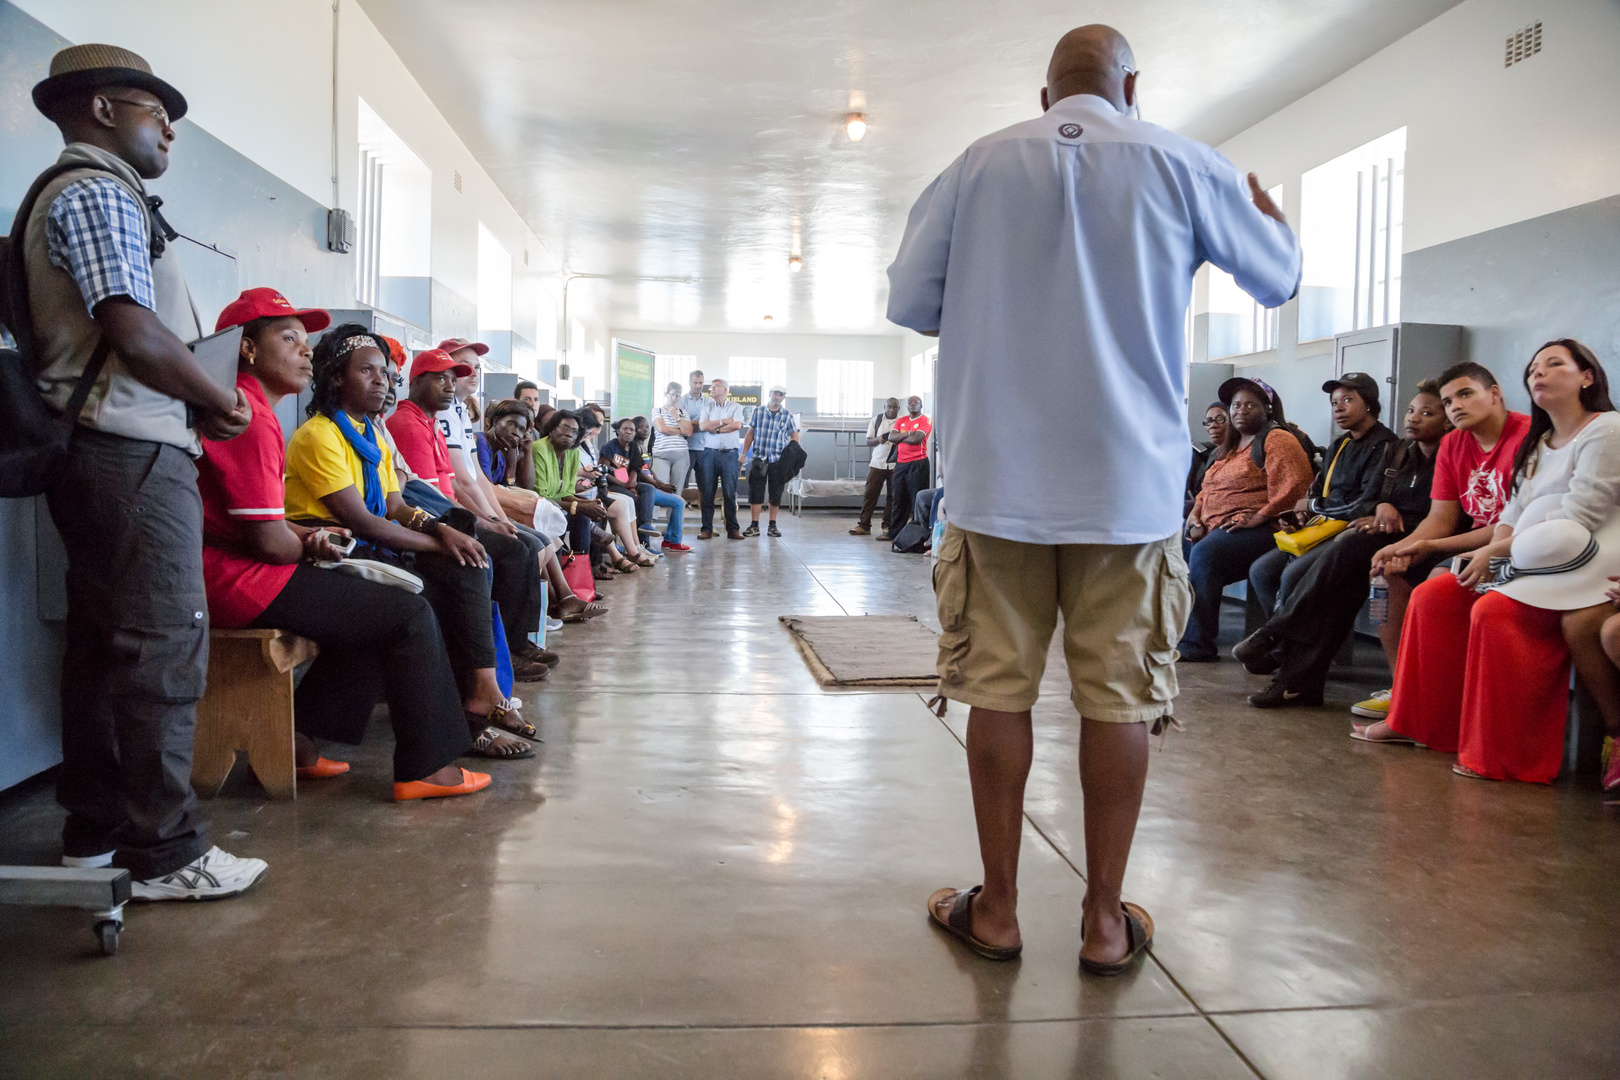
pixel 322 768
pixel 421 789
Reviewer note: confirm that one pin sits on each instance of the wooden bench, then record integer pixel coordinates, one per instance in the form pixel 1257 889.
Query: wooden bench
pixel 248 707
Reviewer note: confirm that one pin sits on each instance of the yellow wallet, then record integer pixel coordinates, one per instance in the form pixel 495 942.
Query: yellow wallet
pixel 1300 541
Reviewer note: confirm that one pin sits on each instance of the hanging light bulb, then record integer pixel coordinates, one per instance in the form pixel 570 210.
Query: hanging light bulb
pixel 795 264
pixel 855 124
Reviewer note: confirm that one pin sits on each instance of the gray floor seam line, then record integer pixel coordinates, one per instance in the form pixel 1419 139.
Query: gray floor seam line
pixel 549 1025
pixel 814 578
pixel 1182 990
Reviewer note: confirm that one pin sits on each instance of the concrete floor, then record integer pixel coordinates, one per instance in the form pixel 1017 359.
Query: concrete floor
pixel 715 869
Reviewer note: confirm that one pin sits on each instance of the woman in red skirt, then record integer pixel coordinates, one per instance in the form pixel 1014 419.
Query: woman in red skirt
pixel 1483 670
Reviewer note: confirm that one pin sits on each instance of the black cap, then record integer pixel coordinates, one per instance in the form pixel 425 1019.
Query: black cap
pixel 1359 381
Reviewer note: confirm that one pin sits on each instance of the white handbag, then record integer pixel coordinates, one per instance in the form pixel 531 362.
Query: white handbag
pixel 549 519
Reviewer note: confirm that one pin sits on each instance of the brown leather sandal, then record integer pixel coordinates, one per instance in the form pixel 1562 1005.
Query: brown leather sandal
pixel 958 922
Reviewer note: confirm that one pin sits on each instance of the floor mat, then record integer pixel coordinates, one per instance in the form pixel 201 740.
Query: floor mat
pixel 866 650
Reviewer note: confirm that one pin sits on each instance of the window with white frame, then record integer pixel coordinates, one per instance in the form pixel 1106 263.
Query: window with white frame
pixel 393 222
pixel 921 380
pixel 843 387
pixel 672 368
pixel 494 295
pixel 761 371
pixel 1351 211
pixel 1237 323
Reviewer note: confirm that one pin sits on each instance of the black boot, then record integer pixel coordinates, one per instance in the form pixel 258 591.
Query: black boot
pixel 1255 652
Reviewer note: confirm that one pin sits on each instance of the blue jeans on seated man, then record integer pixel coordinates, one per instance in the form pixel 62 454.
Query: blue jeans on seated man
pixel 718 467
pixel 1274 575
pixel 656 498
pixel 1216 561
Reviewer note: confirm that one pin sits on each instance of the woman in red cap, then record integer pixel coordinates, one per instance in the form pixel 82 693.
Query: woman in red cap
pixel 259 569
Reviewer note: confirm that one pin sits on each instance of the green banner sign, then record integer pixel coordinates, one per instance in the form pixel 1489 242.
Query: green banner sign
pixel 632 379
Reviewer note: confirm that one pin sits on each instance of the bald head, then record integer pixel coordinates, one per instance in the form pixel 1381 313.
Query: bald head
pixel 1093 59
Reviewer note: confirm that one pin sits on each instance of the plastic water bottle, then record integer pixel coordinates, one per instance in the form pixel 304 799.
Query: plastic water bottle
pixel 1378 601
pixel 939 527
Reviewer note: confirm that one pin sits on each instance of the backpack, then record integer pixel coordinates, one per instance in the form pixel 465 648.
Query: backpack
pixel 33 441
pixel 911 539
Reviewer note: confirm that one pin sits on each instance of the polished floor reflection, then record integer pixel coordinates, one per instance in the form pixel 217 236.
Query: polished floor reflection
pixel 714 868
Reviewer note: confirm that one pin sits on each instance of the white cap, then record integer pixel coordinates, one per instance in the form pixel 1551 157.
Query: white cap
pixel 778 390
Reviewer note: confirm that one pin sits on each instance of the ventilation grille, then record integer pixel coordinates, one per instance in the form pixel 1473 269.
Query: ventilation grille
pixel 525 256
pixel 1522 45
pixel 458 178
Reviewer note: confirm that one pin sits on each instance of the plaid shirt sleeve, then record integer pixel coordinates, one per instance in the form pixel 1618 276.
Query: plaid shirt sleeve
pixel 97 232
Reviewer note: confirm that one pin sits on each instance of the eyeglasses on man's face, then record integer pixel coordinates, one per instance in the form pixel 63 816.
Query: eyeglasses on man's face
pixel 158 111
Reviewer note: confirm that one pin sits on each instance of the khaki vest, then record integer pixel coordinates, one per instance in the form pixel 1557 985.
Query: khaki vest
pixel 66 335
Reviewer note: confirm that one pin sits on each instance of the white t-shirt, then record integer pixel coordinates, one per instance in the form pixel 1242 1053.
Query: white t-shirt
pixel 880 426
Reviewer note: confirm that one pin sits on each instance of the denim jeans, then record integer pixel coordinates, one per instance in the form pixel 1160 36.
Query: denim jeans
pixel 672 531
pixel 718 466
pixel 1216 561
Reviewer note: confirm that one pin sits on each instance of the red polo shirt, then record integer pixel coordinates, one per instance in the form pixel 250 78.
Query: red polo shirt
pixel 908 423
pixel 241 480
pixel 422 445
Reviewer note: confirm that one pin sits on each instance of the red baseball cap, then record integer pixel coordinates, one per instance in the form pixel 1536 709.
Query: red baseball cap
pixel 430 360
pixel 268 304
pixel 452 344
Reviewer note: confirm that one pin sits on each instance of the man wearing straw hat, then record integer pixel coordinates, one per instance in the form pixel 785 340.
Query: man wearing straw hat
pixel 105 291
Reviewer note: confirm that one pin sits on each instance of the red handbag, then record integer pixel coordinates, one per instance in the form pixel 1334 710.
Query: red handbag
pixel 577 572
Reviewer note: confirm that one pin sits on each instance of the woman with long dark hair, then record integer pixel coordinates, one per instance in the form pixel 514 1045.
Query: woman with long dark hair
pixel 1539 613
pixel 340 472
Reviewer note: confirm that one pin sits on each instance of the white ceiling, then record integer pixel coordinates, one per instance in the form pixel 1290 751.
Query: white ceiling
pixel 690 138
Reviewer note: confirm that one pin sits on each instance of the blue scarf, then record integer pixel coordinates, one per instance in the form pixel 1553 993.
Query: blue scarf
pixel 365 445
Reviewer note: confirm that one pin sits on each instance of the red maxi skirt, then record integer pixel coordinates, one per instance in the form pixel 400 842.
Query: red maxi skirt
pixel 1485 678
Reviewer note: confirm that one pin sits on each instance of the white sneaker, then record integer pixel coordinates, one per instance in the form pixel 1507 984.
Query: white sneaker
pixel 553 625
pixel 212 876
pixel 88 862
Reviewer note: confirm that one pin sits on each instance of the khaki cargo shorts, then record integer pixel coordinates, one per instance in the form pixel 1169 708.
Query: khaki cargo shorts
pixel 1124 608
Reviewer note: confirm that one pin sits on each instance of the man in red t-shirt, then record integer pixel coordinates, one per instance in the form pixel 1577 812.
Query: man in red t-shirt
pixel 1473 478
pixel 911 432
pixel 516 585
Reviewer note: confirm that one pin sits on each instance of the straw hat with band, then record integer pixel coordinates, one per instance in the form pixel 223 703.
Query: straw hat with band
pixel 82 68
pixel 1559 565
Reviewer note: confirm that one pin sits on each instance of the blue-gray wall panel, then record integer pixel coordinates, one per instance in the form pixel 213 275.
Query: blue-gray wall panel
pixel 1515 287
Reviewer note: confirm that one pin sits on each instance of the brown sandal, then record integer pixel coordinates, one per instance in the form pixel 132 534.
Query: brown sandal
pixel 502 717
pixel 1138 934
pixel 958 922
pixel 486 745
pixel 590 611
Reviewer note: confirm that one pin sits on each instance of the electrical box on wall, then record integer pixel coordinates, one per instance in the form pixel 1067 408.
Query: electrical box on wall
pixel 340 233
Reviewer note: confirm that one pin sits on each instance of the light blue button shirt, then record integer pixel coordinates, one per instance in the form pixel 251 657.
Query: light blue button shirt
pixel 713 410
pixel 1055 259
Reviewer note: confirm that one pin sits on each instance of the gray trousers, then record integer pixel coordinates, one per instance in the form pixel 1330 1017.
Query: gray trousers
pixel 137 651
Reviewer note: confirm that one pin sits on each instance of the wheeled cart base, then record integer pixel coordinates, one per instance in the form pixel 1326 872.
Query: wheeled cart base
pixel 102 891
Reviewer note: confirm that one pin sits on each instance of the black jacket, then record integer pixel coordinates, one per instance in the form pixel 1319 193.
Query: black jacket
pixel 792 459
pixel 1351 478
pixel 1408 475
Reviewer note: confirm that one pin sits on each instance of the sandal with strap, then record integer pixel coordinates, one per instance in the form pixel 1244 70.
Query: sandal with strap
pixel 487 745
pixel 590 611
pixel 503 718
pixel 602 573
pixel 958 922
pixel 1138 932
pixel 624 566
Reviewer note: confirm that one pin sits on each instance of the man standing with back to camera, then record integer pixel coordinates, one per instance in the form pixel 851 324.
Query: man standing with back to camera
pixel 1054 262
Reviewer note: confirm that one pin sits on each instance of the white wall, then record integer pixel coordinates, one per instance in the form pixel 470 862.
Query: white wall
pixel 1486 146
pixel 259 78
pixel 801 351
